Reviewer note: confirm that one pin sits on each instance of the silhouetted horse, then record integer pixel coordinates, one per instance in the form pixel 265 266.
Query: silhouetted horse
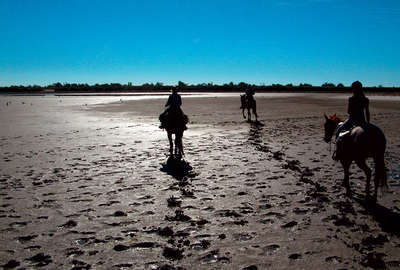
pixel 248 104
pixel 360 143
pixel 175 123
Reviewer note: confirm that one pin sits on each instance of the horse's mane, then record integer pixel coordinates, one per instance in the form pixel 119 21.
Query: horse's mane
pixel 335 118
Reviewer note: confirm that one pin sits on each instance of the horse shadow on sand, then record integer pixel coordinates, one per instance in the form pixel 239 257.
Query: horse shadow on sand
pixel 176 167
pixel 388 220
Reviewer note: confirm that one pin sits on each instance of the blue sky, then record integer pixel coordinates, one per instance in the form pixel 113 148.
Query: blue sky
pixel 260 42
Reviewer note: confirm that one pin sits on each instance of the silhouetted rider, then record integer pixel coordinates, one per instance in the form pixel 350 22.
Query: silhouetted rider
pixel 173 107
pixel 174 100
pixel 358 110
pixel 250 94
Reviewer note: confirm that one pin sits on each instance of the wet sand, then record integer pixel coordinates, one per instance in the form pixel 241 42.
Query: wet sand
pixel 86 184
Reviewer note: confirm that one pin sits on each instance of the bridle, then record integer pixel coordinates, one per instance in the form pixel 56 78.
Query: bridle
pixel 336 120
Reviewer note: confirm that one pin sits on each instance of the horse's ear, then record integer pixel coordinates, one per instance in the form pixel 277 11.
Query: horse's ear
pixel 326 117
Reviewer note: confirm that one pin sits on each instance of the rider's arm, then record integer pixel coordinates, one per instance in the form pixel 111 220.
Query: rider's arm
pixel 168 101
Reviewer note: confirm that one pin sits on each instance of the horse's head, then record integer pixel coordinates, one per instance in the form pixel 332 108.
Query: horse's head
pixel 330 125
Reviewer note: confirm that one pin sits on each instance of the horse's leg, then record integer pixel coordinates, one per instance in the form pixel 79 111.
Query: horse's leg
pixel 171 144
pixel 346 167
pixel 248 114
pixel 255 111
pixel 380 178
pixel 363 166
pixel 176 143
pixel 180 143
pixel 244 116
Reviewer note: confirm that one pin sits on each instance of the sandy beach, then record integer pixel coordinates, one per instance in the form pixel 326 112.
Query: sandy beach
pixel 85 183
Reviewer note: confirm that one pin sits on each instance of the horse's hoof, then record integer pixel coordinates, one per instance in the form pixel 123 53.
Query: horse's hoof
pixel 370 199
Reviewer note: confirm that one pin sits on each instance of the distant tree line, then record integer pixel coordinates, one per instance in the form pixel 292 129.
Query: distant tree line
pixel 203 87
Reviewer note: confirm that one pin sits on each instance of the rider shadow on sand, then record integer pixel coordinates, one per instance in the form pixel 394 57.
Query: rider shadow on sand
pixel 176 167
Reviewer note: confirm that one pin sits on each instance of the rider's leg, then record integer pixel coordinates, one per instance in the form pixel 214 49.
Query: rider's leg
pixel 343 127
pixel 340 140
pixel 162 119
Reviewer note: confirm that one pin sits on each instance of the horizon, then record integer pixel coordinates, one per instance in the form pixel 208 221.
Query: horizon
pixel 261 43
pixel 48 86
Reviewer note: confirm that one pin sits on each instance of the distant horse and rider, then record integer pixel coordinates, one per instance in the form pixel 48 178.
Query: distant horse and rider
pixel 248 103
pixel 356 140
pixel 174 121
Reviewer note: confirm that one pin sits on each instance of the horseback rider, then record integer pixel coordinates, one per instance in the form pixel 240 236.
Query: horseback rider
pixel 358 103
pixel 250 95
pixel 173 107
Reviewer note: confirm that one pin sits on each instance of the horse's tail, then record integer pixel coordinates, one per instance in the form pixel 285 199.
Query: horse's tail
pixel 380 173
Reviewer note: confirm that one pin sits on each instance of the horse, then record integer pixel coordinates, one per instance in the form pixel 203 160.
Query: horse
pixel 360 143
pixel 248 104
pixel 175 123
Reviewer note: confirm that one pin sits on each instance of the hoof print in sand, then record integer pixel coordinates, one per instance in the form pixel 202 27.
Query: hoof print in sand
pixel 289 224
pixel 179 216
pixel 79 265
pixel 173 253
pixel 166 232
pixel 11 264
pixel 271 248
pixel 119 214
pixel 295 256
pixel 69 224
pixel 213 257
pixel 144 245
pixel 120 247
pixel 173 202
pixel 251 267
pixel 40 260
pixel 204 244
pixel 333 259
pixel 27 238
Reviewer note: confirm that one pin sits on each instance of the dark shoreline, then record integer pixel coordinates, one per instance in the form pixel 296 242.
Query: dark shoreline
pixel 154 93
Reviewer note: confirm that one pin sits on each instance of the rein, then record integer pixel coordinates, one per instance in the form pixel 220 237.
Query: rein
pixel 337 120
